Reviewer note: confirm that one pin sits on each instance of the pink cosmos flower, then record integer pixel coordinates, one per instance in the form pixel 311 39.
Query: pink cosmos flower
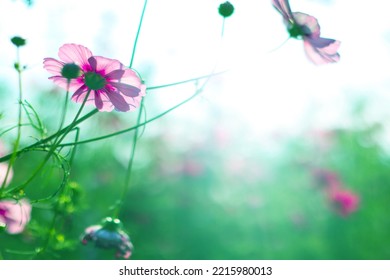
pixel 346 201
pixel 110 83
pixel 319 50
pixel 15 215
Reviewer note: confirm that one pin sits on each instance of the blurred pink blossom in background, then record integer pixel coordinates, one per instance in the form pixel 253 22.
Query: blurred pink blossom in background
pixel 192 167
pixel 327 178
pixel 345 201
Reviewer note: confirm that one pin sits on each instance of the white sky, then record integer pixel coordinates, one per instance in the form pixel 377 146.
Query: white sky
pixel 273 91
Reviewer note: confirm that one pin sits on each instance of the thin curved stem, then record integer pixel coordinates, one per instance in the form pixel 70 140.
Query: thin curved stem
pixel 63 115
pixel 197 92
pixel 19 131
pixel 186 81
pixel 90 114
pixel 51 137
pixel 137 35
pixel 127 182
pixel 59 191
pixel 12 128
pixel 223 26
pixel 126 185
pixel 52 148
pixel 136 126
pixel 278 47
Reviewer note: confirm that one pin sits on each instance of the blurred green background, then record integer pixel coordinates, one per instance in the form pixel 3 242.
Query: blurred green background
pixel 214 193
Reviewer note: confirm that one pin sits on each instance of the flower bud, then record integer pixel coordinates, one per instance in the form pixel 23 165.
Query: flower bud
pixel 70 71
pixel 18 41
pixel 109 235
pixel 226 9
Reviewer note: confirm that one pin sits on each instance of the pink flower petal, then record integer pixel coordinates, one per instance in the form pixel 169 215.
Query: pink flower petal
pixel 118 101
pixel 92 229
pixel 107 105
pixel 283 7
pixel 105 65
pixel 126 89
pixel 72 53
pixel 63 83
pixel 134 102
pixel 130 77
pixel 16 214
pixel 309 22
pixel 115 75
pixel 98 101
pixel 322 50
pixel 79 94
pixel 53 66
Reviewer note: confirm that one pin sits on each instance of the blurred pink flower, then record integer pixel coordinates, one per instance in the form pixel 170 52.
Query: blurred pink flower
pixel 327 178
pixel 3 172
pixel 322 139
pixel 112 84
pixel 4 167
pixel 319 50
pixel 15 215
pixel 346 201
pixel 192 167
pixel 3 150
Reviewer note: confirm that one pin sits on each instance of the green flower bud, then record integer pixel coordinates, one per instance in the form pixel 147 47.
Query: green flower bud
pixel 70 71
pixel 226 9
pixel 109 235
pixel 18 41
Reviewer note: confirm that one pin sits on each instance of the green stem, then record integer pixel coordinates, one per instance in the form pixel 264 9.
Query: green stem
pixel 52 148
pixel 278 47
pixel 43 141
pixel 126 185
pixel 19 131
pixel 186 81
pixel 51 137
pixel 198 91
pixel 59 192
pixel 63 115
pixel 12 128
pixel 137 35
pixel 73 153
pixel 136 126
